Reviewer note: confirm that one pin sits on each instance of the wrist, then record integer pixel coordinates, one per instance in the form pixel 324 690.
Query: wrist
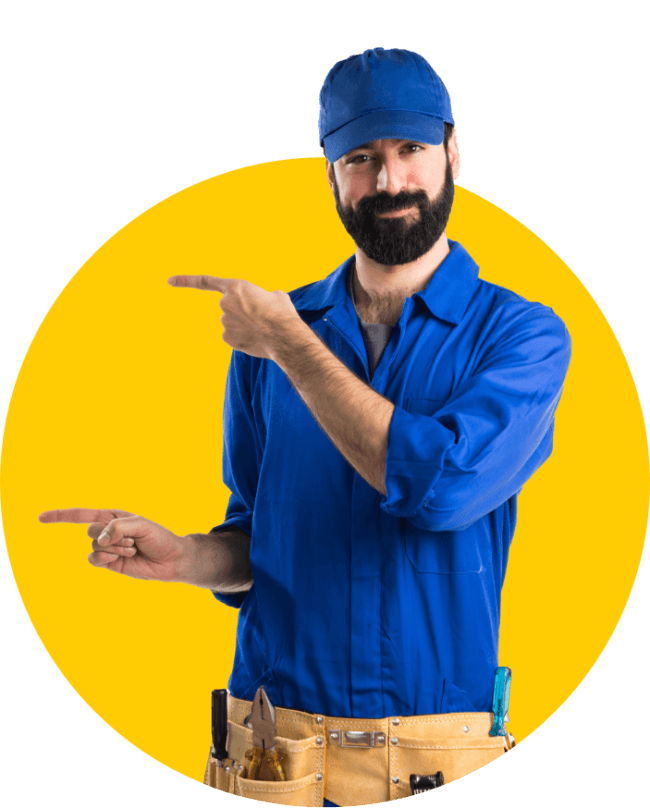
pixel 289 339
pixel 219 561
pixel 196 564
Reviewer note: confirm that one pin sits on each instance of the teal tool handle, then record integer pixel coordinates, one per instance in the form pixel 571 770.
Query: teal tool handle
pixel 500 700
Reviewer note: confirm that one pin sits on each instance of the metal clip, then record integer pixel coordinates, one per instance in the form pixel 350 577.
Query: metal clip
pixel 357 740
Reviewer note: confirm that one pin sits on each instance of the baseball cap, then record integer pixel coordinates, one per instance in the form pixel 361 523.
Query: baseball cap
pixel 381 94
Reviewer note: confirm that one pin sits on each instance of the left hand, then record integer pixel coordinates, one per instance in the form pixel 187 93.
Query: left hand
pixel 253 319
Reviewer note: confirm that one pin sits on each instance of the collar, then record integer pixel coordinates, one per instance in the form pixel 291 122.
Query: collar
pixel 447 294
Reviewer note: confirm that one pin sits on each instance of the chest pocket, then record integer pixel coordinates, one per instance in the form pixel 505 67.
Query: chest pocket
pixel 444 552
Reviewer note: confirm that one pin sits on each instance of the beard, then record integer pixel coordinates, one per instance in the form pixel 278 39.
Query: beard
pixel 393 241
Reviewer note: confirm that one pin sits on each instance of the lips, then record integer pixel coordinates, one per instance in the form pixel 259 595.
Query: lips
pixel 395 213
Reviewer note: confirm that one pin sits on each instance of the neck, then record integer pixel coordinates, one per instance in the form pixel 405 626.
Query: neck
pixel 380 290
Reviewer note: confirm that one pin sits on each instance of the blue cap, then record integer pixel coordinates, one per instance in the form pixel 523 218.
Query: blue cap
pixel 381 94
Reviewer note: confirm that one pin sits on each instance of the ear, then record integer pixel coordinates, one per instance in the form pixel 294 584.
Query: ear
pixel 454 154
pixel 330 174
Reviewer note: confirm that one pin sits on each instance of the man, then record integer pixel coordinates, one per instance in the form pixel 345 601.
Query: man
pixel 378 427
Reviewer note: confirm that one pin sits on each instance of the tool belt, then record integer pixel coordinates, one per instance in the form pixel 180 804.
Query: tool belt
pixel 354 761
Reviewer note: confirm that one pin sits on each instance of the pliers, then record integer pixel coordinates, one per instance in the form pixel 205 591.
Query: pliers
pixel 262 721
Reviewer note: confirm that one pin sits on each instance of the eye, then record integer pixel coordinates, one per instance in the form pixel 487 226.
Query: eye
pixel 358 158
pixel 413 148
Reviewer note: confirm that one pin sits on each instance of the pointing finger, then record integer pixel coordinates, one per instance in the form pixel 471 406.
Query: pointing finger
pixel 83 515
pixel 208 282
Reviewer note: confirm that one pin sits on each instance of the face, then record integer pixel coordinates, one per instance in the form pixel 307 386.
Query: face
pixel 394 197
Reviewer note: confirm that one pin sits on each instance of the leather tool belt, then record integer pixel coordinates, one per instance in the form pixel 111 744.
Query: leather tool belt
pixel 354 761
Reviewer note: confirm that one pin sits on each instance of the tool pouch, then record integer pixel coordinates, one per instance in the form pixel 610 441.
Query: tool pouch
pixel 219 774
pixel 303 761
pixel 454 744
pixel 354 761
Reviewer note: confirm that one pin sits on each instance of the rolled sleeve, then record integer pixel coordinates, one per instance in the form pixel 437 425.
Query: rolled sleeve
pixel 447 470
pixel 413 465
pixel 242 451
pixel 234 599
pixel 237 516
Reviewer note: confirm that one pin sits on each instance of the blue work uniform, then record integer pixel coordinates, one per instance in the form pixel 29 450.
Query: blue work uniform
pixel 365 605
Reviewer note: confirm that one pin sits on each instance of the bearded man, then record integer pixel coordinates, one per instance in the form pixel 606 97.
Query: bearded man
pixel 378 427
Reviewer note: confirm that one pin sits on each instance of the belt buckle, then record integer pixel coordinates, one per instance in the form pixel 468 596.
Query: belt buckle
pixel 351 739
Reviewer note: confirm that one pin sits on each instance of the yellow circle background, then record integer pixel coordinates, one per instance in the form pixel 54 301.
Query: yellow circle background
pixel 119 402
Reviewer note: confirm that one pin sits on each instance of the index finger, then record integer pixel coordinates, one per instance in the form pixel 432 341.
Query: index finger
pixel 208 282
pixel 82 515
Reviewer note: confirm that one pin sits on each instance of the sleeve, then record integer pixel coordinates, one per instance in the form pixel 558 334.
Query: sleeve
pixel 242 455
pixel 447 470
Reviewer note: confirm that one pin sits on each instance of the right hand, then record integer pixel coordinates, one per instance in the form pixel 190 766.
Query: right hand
pixel 126 543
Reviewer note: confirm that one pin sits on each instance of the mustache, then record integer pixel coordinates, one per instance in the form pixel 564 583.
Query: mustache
pixel 385 203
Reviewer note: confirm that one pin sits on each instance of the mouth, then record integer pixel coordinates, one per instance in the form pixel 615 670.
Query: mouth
pixel 395 213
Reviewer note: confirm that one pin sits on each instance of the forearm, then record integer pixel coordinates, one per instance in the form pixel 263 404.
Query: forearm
pixel 355 417
pixel 219 561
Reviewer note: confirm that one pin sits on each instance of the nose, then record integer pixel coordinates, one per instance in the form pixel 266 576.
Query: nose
pixel 390 177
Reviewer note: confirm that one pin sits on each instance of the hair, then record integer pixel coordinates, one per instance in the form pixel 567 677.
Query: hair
pixel 449 129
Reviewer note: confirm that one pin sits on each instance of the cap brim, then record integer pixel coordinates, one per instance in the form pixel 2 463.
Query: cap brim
pixel 384 123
